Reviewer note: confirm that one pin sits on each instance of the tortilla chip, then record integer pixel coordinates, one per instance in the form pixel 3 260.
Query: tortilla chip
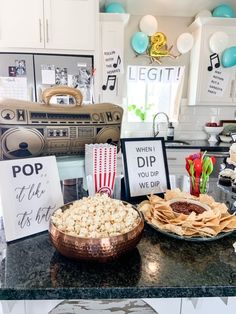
pixel 145 207
pixel 179 219
pixel 232 223
pixel 154 199
pixel 174 229
pixel 190 232
pixel 206 199
pixel 210 223
pixel 170 194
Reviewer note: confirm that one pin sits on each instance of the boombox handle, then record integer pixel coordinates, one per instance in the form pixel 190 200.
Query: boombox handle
pixel 62 90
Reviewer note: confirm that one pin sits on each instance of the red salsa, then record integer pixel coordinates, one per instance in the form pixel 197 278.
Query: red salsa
pixel 186 208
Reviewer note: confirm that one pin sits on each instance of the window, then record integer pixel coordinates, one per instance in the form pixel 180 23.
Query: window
pixel 153 89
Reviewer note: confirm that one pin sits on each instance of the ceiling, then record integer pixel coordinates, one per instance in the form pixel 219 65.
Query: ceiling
pixel 187 8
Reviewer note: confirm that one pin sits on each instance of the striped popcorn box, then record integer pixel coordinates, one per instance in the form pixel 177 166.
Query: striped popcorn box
pixel 101 159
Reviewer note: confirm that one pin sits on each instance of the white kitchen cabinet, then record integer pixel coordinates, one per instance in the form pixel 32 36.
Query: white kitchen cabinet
pixel 176 160
pixel 70 24
pixel 217 86
pixel 208 305
pixel 52 24
pixel 21 23
pixel 112 28
pixel 40 306
pixel 164 305
pixel 12 307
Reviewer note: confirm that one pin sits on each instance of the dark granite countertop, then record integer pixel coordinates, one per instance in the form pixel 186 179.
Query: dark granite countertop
pixel 159 267
pixel 203 145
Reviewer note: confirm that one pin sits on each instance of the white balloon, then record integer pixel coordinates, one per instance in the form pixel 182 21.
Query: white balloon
pixel 148 25
pixel 204 13
pixel 184 42
pixel 218 42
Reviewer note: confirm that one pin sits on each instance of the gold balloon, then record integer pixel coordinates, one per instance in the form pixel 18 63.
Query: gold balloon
pixel 156 51
pixel 159 38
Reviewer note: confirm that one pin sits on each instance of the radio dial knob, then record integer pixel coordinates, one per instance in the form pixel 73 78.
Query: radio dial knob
pixel 96 117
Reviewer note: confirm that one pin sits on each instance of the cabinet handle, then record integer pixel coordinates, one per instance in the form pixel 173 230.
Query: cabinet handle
pixel 218 155
pixel 232 89
pixel 47 37
pixel 171 158
pixel 40 30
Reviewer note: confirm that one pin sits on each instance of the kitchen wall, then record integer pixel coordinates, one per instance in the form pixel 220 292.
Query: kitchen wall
pixel 191 119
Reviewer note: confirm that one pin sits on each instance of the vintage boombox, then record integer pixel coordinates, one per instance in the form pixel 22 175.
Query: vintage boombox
pixel 30 129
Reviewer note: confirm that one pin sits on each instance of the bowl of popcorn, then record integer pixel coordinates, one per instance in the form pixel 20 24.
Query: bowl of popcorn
pixel 96 228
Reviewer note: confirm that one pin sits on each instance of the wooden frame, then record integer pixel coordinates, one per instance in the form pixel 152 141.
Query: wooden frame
pixel 145 166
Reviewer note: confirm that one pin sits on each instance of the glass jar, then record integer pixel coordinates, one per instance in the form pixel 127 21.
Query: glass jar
pixel 199 185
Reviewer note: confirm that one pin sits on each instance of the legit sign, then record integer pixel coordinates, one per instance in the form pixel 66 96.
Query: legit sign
pixel 30 191
pixel 145 164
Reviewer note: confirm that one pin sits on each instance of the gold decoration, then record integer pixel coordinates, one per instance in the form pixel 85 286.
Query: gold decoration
pixel 159 38
pixel 158 48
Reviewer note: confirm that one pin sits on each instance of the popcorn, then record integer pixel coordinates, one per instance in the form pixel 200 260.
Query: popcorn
pixel 95 217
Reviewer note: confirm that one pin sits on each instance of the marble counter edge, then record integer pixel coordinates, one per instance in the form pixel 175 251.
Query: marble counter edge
pixel 117 293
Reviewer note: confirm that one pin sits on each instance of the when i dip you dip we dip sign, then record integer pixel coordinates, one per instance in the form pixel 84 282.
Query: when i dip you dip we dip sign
pixel 29 192
pixel 145 165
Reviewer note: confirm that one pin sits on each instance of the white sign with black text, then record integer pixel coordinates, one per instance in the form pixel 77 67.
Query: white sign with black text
pixel 218 81
pixel 30 191
pixel 146 166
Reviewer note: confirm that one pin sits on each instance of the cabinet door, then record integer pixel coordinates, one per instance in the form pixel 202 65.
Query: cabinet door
pixel 165 305
pixel 176 160
pixel 40 306
pixel 112 37
pixel 12 307
pixel 208 305
pixel 216 85
pixel 70 24
pixel 21 23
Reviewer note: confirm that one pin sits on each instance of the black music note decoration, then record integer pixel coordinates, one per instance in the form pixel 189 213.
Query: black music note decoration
pixel 111 82
pixel 118 61
pixel 216 62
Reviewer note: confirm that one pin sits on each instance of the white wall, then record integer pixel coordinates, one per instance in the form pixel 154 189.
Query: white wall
pixel 191 119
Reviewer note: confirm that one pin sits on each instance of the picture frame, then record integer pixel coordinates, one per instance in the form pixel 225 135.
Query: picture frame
pixel 145 167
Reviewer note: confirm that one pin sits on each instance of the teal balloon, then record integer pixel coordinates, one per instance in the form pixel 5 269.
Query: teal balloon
pixel 114 7
pixel 223 10
pixel 139 42
pixel 228 58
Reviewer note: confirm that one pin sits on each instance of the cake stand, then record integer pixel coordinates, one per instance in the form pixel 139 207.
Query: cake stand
pixel 213 131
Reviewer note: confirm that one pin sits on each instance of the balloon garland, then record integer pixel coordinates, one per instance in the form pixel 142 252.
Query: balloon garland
pixel 153 44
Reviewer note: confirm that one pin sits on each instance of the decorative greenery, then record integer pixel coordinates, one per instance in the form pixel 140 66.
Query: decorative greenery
pixel 140 111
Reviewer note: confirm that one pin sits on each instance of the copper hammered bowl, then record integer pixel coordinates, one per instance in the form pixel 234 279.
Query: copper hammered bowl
pixel 95 249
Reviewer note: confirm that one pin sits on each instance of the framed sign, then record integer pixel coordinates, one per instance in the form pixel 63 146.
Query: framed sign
pixel 30 191
pixel 145 165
